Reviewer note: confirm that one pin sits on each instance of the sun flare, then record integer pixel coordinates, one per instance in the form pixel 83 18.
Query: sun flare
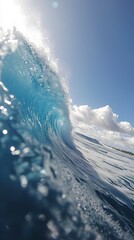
pixel 11 15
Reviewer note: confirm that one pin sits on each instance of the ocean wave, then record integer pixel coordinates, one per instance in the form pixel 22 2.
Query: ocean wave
pixel 39 90
pixel 50 188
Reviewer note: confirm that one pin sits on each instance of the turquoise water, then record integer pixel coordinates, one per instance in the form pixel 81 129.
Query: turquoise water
pixel 55 185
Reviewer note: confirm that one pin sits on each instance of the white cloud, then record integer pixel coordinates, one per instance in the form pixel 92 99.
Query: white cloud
pixel 102 124
pixel 126 127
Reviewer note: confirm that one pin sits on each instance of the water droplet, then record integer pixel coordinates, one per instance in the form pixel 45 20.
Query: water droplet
pixel 74 218
pixel 12 148
pixel 7 102
pixel 17 152
pixel 26 150
pixel 43 190
pixel 63 196
pixel 41 217
pixel 5 131
pixel 1 107
pixel 28 217
pixel 53 229
pixel 24 181
pixel 43 172
pixel 4 111
pixel 11 96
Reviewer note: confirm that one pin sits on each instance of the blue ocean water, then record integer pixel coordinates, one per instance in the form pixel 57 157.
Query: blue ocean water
pixel 55 185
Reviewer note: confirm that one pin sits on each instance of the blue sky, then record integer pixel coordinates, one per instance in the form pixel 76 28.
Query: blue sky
pixel 94 41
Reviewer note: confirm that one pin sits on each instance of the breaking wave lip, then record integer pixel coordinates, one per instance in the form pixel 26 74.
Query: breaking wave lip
pixel 53 192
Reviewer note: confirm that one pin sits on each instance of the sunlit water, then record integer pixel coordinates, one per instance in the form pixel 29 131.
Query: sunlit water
pixel 54 185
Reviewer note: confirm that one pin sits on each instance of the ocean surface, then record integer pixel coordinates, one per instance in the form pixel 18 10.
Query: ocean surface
pixel 54 183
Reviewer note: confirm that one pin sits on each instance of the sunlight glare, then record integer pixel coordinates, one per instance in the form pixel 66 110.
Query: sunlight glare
pixel 10 15
pixel 12 19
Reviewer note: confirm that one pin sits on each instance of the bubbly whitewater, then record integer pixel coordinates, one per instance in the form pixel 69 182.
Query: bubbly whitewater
pixel 54 185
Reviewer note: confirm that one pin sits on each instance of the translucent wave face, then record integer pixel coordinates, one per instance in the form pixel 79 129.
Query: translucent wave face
pixel 17 16
pixel 42 96
pixel 25 67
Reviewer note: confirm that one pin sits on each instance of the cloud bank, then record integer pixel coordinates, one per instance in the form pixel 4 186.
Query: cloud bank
pixel 102 124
